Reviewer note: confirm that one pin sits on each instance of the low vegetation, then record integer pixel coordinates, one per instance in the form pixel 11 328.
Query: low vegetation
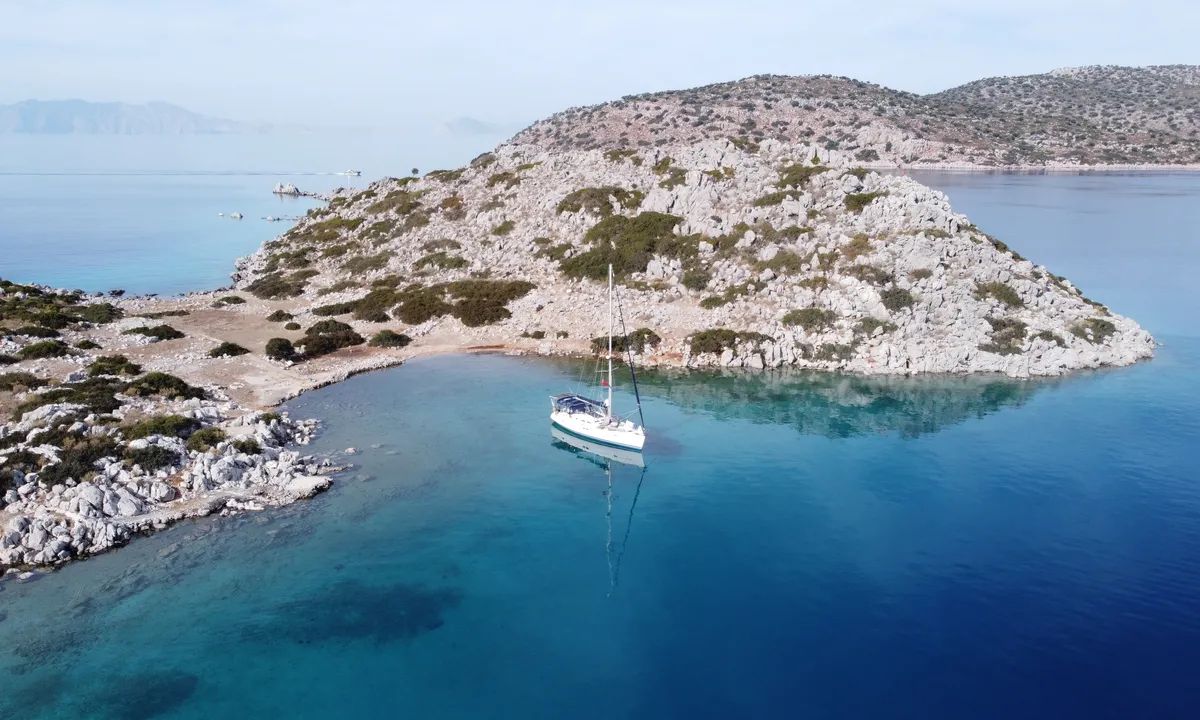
pixel 1006 337
pixel 158 332
pixel 227 349
pixel 599 201
pixel 999 291
pixel 811 319
pixel 895 299
pixel 637 341
pixel 1094 330
pixel 389 339
pixel 855 202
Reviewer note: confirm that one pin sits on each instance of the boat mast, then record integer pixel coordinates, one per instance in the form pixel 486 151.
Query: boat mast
pixel 608 409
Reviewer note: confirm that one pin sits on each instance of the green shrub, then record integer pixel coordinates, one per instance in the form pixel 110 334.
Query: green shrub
pixel 325 327
pixel 554 253
pixel 35 331
pixel 339 286
pixel 279 316
pixel 696 279
pixel 206 439
pixel 619 155
pixel 1052 337
pixel 855 202
pixel 402 201
pixel 868 274
pixel 867 155
pixel 445 176
pixel 1007 335
pixel 868 325
pixel 9 382
pixel 158 332
pixel 375 305
pixel 859 173
pixel 113 365
pixel 247 446
pixel 151 457
pixel 389 339
pixel 366 263
pixel 859 245
pixel 322 344
pixel 534 335
pixel 419 304
pixel 712 302
pixel 78 459
pixel 164 314
pixel 167 425
pixel 769 199
pixel 637 341
pixel 230 300
pixel 227 349
pixel 562 334
pixel 482 302
pixel 798 175
pixel 895 298
pixel 276 286
pixel 505 178
pixel 1000 291
pixel 341 308
pixel 100 313
pixel 785 262
pixel 292 326
pixel 44 349
pixel 675 178
pixel 84 344
pixel 440 260
pixel 1094 330
pixel 626 243
pixel 921 274
pixel 811 319
pixel 717 340
pixel 598 201
pixel 504 228
pixel 280 349
pixel 97 395
pixel 164 384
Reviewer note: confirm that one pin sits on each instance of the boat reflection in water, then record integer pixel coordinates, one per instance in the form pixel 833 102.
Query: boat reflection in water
pixel 578 445
pixel 603 457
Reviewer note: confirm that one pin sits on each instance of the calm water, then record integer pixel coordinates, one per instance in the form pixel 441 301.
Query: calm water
pixel 141 213
pixel 799 545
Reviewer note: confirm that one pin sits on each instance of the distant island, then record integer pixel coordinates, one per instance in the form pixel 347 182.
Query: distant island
pixel 79 117
pixel 1088 116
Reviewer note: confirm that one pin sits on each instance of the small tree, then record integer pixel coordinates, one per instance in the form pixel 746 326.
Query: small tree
pixel 414 171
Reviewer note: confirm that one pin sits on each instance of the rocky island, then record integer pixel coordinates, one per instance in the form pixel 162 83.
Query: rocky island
pixel 752 245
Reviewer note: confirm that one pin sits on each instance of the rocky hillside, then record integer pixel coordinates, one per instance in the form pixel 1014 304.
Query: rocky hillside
pixel 729 253
pixel 1079 116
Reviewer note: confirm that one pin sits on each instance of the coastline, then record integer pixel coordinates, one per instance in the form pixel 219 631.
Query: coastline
pixel 41 521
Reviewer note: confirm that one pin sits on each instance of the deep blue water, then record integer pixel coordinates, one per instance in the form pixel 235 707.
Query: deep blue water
pixel 800 545
pixel 140 213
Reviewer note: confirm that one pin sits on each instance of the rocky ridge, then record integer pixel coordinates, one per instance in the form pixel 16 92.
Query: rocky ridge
pixel 1090 116
pixel 777 255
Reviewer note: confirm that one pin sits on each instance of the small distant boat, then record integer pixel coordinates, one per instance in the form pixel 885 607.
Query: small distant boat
pixel 594 419
pixel 355 173
pixel 236 216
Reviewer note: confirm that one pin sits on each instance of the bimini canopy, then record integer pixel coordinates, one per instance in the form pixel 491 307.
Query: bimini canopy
pixel 570 402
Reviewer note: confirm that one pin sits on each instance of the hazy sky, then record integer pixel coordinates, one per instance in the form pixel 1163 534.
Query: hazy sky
pixel 405 64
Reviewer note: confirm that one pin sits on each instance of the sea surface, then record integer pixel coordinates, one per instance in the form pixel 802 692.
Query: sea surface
pixel 797 544
pixel 151 214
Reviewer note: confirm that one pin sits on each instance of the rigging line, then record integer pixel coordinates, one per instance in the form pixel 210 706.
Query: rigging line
pixel 628 526
pixel 629 349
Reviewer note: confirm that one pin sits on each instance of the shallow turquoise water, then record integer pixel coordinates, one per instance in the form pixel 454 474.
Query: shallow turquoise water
pixel 801 544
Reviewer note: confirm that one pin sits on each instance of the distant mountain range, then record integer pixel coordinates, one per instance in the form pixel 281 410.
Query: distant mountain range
pixel 66 117
pixel 471 126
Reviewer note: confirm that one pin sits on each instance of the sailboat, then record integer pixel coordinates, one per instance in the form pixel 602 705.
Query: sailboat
pixel 594 419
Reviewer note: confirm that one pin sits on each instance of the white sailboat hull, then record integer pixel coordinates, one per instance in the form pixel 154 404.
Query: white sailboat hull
pixel 608 452
pixel 614 433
